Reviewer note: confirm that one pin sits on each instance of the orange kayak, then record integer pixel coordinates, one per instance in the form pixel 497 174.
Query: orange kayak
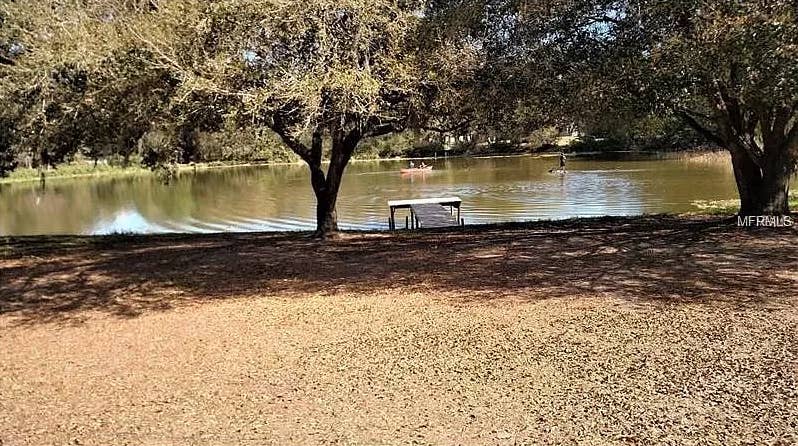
pixel 416 170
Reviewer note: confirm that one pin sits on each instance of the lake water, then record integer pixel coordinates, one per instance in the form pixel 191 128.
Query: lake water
pixel 276 198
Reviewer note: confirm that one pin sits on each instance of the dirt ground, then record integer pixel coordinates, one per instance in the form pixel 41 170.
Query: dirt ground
pixel 606 331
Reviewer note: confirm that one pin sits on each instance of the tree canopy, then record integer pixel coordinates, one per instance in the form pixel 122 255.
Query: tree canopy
pixel 103 73
pixel 728 69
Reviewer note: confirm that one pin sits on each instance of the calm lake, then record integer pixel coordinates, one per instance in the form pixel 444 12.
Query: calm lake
pixel 277 198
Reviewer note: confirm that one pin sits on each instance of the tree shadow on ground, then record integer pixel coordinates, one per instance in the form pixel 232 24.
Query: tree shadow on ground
pixel 653 259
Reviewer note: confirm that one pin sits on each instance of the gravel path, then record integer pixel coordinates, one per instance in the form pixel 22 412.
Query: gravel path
pixel 615 331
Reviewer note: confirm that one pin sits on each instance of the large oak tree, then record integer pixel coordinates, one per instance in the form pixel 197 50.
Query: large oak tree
pixel 322 74
pixel 727 68
pixel 76 79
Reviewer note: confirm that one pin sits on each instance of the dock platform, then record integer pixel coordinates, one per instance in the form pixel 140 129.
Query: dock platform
pixel 427 212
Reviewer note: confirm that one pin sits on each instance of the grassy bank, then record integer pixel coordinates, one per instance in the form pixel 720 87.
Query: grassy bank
pixel 75 170
pixel 88 170
pixel 601 331
pixel 103 170
pixel 730 207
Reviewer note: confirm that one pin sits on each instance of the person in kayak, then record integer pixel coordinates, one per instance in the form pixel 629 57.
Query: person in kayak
pixel 412 164
pixel 423 165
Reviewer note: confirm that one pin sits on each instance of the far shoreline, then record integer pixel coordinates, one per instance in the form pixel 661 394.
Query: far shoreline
pixel 33 175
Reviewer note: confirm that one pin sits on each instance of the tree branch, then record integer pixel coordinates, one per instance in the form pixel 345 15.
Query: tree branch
pixel 736 122
pixel 460 126
pixel 592 20
pixel 344 144
pixel 353 138
pixel 384 129
pixel 705 131
pixel 292 142
pixel 378 127
pixel 316 146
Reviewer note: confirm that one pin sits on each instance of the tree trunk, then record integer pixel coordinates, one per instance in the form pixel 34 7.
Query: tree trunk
pixel 188 144
pixel 763 143
pixel 326 216
pixel 763 190
pixel 326 188
pixel 775 192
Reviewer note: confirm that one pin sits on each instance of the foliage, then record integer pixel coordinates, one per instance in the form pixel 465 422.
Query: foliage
pixel 651 132
pixel 405 144
pixel 728 69
pixel 107 76
pixel 7 157
pixel 246 144
pixel 80 84
pixel 335 70
pixel 542 138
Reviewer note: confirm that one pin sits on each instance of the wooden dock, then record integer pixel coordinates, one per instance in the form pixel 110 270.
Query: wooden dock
pixel 427 212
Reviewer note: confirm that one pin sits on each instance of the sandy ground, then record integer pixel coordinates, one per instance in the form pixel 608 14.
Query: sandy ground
pixel 639 331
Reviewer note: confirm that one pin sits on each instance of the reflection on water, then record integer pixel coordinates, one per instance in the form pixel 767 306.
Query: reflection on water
pixel 280 198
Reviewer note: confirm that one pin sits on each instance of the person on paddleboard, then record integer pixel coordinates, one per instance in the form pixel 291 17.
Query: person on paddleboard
pixel 562 161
